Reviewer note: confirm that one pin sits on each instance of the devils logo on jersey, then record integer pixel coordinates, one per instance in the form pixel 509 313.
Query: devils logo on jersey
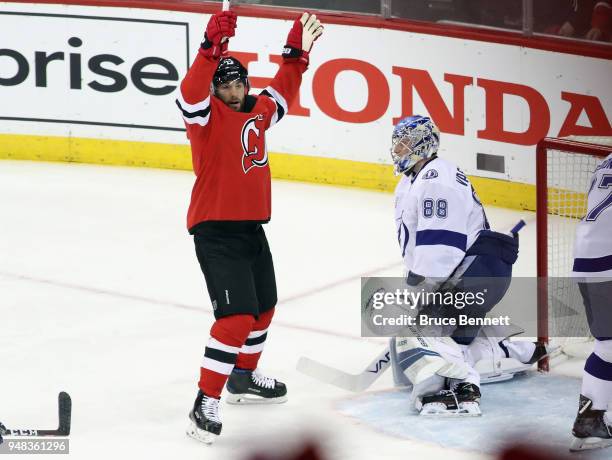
pixel 254 149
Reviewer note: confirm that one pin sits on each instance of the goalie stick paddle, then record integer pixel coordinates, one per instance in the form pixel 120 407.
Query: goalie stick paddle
pixel 517 228
pixel 351 382
pixel 362 381
pixel 64 404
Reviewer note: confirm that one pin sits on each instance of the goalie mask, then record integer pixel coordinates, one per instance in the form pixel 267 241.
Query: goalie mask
pixel 414 138
pixel 229 70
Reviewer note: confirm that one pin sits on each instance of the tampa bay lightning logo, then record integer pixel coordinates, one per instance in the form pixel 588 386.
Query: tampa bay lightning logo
pixel 431 174
pixel 254 149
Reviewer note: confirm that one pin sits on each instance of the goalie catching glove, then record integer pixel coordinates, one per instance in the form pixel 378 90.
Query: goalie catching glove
pixel 302 35
pixel 220 27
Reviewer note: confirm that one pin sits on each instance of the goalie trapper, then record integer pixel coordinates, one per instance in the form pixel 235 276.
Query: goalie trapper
pixel 463 399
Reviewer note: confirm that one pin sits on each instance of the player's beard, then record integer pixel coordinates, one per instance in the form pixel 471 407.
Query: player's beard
pixel 236 105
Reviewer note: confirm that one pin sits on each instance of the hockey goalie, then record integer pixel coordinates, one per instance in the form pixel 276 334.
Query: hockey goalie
pixel 447 245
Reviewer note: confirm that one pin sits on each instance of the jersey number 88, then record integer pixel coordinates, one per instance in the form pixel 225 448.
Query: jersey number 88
pixel 438 207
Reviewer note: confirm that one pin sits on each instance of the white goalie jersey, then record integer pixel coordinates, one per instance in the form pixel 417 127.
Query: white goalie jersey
pixel 438 216
pixel 593 246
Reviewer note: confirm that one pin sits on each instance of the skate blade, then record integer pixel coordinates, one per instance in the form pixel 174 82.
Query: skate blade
pixel 244 398
pixel 580 444
pixel 203 436
pixel 440 410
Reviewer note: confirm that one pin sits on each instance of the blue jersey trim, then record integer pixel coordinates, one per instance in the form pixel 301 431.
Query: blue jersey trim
pixel 444 237
pixel 596 264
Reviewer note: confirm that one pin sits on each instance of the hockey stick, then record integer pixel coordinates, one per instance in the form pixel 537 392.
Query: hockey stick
pixel 351 382
pixel 518 227
pixel 363 380
pixel 225 7
pixel 64 404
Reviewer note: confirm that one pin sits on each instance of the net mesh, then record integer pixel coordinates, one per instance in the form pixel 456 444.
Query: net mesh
pixel 568 179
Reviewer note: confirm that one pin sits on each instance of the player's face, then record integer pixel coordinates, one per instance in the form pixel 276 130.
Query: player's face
pixel 402 148
pixel 232 94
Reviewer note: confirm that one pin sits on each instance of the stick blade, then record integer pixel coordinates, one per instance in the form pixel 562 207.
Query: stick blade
pixel 65 413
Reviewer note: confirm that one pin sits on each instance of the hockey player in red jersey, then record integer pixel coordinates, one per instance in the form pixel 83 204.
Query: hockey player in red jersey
pixel 229 203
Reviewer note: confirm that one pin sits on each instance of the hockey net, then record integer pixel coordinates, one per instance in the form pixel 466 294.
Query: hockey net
pixel 564 168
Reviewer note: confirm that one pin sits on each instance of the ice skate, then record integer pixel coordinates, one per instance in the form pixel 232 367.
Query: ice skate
pixel 591 429
pixel 251 387
pixel 462 401
pixel 205 424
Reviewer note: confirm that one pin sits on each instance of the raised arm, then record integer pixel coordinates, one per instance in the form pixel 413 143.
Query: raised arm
pixel 286 83
pixel 194 97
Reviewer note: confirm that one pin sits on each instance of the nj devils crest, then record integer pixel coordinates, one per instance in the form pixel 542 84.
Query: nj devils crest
pixel 253 144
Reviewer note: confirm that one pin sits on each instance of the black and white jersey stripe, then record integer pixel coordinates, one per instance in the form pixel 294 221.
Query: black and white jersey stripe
pixel 198 113
pixel 281 104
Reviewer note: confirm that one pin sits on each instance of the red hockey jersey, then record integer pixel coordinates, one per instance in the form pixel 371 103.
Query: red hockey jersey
pixel 228 148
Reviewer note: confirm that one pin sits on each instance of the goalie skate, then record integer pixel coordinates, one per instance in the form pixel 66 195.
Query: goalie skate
pixel 462 401
pixel 591 429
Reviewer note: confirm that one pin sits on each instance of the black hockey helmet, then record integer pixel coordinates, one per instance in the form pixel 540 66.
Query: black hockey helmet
pixel 230 69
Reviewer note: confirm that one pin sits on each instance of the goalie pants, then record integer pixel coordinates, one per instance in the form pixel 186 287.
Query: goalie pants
pixel 489 273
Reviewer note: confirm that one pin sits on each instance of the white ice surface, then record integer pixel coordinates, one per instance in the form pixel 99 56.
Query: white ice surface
pixel 101 295
pixel 533 409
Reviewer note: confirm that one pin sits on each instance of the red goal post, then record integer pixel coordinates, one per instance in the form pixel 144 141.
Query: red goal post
pixel 564 167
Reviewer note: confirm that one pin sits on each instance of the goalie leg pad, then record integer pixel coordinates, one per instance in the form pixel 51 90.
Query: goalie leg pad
pixel 372 292
pixel 506 370
pixel 399 378
pixel 421 357
pixel 495 357
pixel 417 359
pixel 416 364
pixel 426 363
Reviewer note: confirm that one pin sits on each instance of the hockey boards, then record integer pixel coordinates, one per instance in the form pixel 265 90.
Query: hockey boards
pixel 64 404
pixel 351 382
